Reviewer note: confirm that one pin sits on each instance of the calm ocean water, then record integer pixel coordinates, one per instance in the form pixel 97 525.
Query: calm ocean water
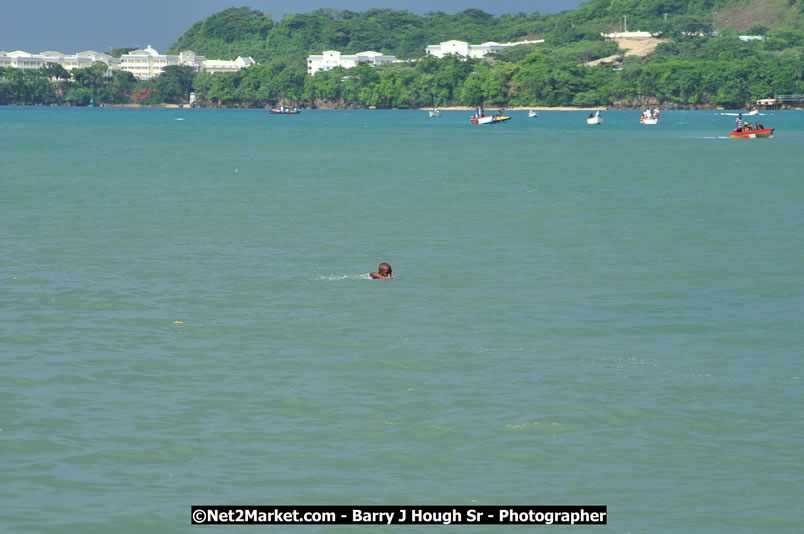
pixel 580 315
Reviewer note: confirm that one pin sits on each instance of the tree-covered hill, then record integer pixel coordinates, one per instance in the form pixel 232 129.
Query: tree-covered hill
pixel 242 31
pixel 246 32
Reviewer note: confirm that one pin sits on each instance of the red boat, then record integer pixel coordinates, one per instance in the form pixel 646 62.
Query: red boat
pixel 753 134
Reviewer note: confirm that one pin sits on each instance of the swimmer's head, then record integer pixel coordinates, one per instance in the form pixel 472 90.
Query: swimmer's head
pixel 384 269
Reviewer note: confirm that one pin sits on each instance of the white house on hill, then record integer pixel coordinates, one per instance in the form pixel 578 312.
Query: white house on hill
pixel 628 35
pixel 462 48
pixel 330 59
pixel 219 65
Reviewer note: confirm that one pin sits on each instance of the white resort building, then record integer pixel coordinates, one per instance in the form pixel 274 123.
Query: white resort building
pixel 24 60
pixel 332 58
pixel 143 64
pixel 462 48
pixel 148 63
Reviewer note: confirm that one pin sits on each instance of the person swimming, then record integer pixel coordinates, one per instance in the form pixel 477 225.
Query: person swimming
pixel 384 272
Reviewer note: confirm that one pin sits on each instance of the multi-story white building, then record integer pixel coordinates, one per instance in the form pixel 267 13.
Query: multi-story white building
pixel 332 58
pixel 462 48
pixel 149 63
pixel 143 64
pixel 24 60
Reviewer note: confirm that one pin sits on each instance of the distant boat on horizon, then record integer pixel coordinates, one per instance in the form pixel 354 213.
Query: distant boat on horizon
pixel 285 111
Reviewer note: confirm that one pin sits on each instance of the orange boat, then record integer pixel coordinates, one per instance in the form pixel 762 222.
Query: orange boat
pixel 753 134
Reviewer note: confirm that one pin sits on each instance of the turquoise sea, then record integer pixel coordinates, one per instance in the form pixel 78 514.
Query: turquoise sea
pixel 580 315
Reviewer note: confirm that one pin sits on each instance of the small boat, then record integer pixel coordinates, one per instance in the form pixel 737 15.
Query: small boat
pixel 491 119
pixel 435 113
pixel 747 113
pixel 753 134
pixel 532 114
pixel 285 111
pixel 595 120
pixel 649 117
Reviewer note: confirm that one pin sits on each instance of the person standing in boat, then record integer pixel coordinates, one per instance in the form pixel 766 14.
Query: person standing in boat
pixel 739 126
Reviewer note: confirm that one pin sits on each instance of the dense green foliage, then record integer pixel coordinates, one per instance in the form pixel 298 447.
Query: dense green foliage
pixel 228 34
pixel 245 32
pixel 695 67
pixel 55 85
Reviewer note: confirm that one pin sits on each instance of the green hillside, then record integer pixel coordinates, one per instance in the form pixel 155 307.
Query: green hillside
pixel 747 15
pixel 242 31
pixel 703 63
pixel 245 32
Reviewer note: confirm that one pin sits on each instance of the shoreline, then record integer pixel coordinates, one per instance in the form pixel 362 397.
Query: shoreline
pixel 492 109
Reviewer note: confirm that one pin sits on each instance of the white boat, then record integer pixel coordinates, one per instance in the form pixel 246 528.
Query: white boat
pixel 747 113
pixel 491 119
pixel 532 114
pixel 594 120
pixel 435 113
pixel 649 117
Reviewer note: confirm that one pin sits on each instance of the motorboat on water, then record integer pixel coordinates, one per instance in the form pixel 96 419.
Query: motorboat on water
pixel 595 118
pixel 753 134
pixel 532 114
pixel 435 112
pixel 746 114
pixel 491 119
pixel 645 120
